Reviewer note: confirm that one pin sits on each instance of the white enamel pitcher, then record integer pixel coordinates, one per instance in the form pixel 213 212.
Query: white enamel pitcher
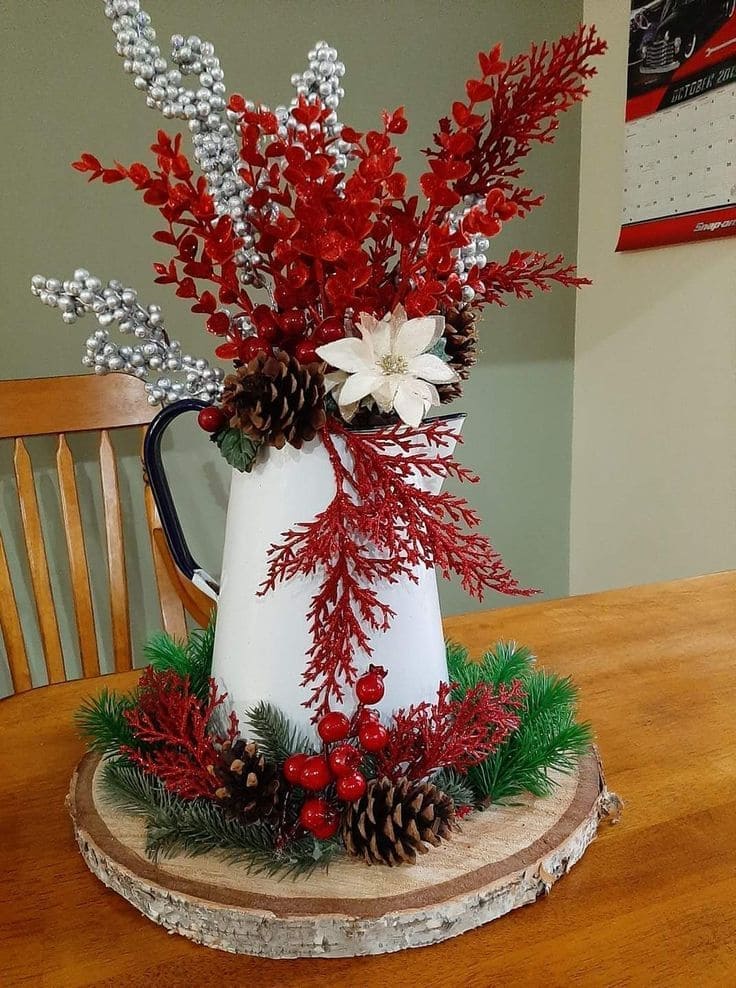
pixel 261 642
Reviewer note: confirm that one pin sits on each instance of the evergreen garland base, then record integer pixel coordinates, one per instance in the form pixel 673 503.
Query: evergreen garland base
pixel 172 758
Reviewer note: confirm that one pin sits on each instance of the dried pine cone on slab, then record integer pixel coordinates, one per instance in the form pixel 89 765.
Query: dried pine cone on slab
pixel 393 822
pixel 251 786
pixel 276 400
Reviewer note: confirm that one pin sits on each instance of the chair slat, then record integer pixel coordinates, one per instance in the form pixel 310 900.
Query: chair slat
pixel 196 603
pixel 119 608
pixel 60 406
pixel 46 406
pixel 78 566
pixel 172 609
pixel 38 564
pixel 10 626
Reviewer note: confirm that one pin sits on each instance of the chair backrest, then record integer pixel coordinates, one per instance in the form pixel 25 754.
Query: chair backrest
pixel 58 407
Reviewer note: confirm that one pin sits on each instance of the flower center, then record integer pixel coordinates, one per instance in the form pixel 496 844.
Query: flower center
pixel 393 363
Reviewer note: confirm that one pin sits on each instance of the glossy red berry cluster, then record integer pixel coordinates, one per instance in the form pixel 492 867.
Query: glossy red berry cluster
pixel 335 772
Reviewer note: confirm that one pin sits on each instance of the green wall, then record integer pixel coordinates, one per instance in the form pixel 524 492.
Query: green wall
pixel 64 92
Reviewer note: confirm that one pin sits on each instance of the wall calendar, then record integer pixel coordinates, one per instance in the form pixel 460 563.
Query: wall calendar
pixel 680 144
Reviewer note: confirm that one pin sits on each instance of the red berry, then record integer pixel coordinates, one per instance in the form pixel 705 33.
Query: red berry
pixel 328 828
pixel 373 736
pixel 313 813
pixel 330 330
pixel 370 688
pixel 293 322
pixel 315 773
pixel 306 351
pixel 293 768
pixel 269 332
pixel 344 759
pixel 264 319
pixel 319 818
pixel 251 347
pixel 366 716
pixel 334 726
pixel 351 787
pixel 211 419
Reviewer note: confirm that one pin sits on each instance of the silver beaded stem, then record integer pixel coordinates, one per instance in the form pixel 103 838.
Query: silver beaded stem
pixel 320 81
pixel 150 350
pixel 212 125
pixel 473 254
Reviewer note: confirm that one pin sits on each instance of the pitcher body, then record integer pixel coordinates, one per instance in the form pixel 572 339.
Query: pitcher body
pixel 262 640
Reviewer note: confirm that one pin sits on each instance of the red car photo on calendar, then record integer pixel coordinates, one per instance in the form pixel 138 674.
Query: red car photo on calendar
pixel 680 146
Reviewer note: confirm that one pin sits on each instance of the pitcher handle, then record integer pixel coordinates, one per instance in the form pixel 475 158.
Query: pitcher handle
pixel 159 484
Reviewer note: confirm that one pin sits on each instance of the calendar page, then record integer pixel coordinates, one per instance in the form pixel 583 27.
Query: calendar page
pixel 680 144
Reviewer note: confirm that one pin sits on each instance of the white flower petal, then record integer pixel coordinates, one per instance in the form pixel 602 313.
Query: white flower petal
pixel 385 393
pixel 439 328
pixel 358 386
pixel 348 411
pixel 381 339
pixel 334 381
pixel 350 354
pixel 398 317
pixel 366 323
pixel 410 407
pixel 433 395
pixel 431 368
pixel 424 390
pixel 396 320
pixel 368 326
pixel 418 335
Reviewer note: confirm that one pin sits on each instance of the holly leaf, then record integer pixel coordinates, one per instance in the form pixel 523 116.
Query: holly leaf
pixel 239 450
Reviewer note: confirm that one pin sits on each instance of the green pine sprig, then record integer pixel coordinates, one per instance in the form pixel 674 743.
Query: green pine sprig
pixel 549 738
pixel 192 658
pixel 128 788
pixel 275 735
pixel 506 662
pixel 101 721
pixel 201 827
pixel 456 786
pixel 177 826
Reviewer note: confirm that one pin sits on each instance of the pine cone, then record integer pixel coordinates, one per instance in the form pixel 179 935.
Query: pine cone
pixel 392 822
pixel 276 400
pixel 461 347
pixel 251 786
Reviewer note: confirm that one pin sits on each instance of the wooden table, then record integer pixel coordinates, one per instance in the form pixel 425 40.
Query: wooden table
pixel 652 903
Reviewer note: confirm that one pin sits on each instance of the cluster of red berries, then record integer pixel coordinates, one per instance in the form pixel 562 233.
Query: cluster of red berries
pixel 338 765
pixel 289 331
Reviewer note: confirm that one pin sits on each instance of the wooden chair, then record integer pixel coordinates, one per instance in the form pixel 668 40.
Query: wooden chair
pixel 60 406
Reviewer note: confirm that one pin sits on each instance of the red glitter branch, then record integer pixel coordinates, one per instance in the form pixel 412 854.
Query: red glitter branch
pixel 450 733
pixel 204 245
pixel 380 526
pixel 330 241
pixel 524 97
pixel 522 273
pixel 173 725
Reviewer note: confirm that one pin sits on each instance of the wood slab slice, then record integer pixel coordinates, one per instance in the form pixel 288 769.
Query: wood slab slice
pixel 504 858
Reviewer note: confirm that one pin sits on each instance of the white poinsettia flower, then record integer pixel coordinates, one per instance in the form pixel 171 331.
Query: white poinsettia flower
pixel 333 385
pixel 389 362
